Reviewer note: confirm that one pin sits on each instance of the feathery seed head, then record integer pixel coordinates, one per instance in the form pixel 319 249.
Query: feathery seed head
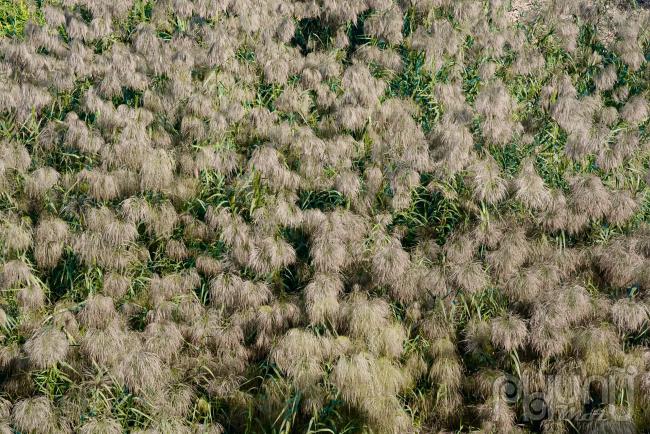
pixel 98 312
pixel 16 237
pixel 509 332
pixel 628 315
pixel 46 348
pixel 115 285
pixel 40 181
pixel 34 415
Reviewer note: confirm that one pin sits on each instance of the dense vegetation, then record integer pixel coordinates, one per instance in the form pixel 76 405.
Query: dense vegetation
pixel 326 216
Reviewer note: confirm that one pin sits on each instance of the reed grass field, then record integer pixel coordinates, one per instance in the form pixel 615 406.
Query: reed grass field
pixel 324 216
